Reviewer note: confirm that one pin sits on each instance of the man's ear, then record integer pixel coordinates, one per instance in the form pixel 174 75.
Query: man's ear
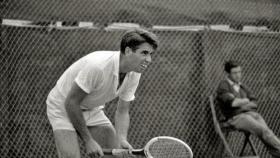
pixel 127 51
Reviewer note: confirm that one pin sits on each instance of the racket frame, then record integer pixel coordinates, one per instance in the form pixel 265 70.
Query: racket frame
pixel 145 151
pixel 148 153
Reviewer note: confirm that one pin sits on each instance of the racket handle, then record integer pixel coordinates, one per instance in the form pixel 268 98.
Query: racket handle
pixel 115 151
pixel 107 151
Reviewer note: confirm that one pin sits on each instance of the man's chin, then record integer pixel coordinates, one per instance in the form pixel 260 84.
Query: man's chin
pixel 140 71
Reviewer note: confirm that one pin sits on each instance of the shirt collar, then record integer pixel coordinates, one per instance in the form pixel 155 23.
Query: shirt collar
pixel 117 63
pixel 232 83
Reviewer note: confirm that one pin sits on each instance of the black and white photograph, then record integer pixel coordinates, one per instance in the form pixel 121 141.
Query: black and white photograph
pixel 140 79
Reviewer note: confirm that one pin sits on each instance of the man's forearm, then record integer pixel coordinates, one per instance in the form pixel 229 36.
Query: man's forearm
pixel 250 105
pixel 76 117
pixel 122 120
pixel 238 102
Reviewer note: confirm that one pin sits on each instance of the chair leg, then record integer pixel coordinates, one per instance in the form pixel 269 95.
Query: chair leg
pixel 221 150
pixel 253 148
pixel 226 145
pixel 245 143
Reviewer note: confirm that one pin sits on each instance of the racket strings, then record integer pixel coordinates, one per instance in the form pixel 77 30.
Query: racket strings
pixel 168 149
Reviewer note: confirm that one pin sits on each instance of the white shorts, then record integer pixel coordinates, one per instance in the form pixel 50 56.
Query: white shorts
pixel 59 120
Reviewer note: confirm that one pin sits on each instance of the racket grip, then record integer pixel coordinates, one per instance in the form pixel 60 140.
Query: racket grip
pixel 115 151
pixel 107 151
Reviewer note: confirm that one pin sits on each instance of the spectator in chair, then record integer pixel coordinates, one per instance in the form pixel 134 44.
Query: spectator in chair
pixel 239 106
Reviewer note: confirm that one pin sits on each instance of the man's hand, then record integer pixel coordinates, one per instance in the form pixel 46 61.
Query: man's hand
pixel 239 102
pixel 125 145
pixel 93 149
pixel 249 106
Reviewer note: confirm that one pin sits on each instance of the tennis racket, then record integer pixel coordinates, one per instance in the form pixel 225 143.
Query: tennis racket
pixel 158 147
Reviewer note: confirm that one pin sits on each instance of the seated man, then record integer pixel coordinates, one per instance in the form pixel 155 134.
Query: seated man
pixel 239 107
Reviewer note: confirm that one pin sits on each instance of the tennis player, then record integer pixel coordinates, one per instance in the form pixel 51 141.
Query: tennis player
pixel 75 105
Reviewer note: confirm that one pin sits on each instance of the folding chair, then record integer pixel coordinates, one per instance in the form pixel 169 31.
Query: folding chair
pixel 223 128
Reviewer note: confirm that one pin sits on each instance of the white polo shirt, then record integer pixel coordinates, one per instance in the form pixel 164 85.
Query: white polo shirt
pixel 98 75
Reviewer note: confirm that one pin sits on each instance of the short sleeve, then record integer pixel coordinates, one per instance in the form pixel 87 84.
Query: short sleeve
pixel 89 78
pixel 128 93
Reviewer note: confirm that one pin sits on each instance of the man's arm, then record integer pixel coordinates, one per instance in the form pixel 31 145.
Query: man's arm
pixel 249 106
pixel 244 103
pixel 239 102
pixel 226 96
pixel 72 105
pixel 250 94
pixel 224 93
pixel 122 120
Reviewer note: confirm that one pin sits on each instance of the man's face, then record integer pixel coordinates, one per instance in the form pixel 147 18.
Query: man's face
pixel 141 57
pixel 235 74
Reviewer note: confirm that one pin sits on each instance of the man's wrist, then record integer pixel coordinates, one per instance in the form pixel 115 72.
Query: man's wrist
pixel 121 137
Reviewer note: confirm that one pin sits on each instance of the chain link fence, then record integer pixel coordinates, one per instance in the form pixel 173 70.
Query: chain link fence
pixel 172 95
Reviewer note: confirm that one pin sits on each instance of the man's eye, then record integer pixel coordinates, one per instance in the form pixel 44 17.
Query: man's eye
pixel 145 52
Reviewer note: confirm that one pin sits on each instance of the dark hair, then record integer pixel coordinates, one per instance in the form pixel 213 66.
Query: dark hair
pixel 136 37
pixel 231 64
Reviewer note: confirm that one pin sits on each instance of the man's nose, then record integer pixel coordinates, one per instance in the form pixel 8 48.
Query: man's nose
pixel 149 59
